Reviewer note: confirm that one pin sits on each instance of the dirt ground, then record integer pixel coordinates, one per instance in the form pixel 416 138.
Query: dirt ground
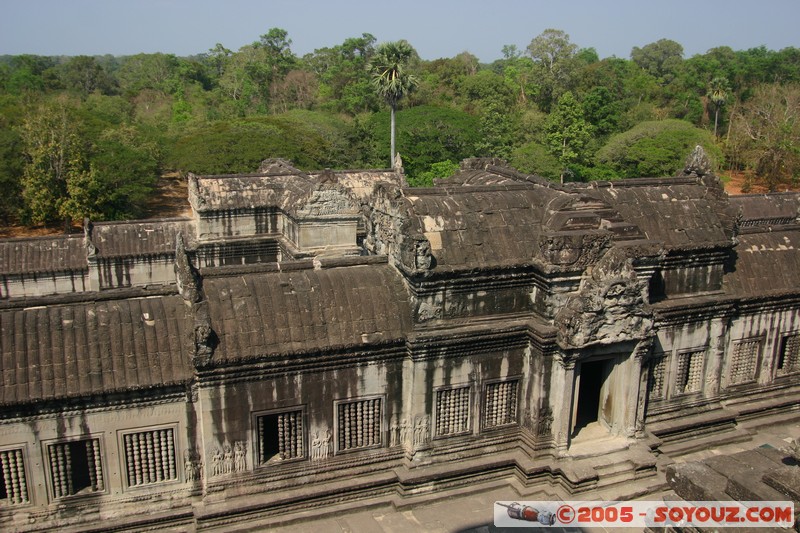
pixel 170 200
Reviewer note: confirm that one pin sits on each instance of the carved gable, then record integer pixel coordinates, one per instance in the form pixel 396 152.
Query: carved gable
pixel 610 306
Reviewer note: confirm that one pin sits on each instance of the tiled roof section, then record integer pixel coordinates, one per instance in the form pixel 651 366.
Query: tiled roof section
pixel 780 208
pixel 42 254
pixel 141 238
pixel 481 226
pixel 679 214
pixel 81 349
pixel 248 191
pixel 267 313
pixel 765 262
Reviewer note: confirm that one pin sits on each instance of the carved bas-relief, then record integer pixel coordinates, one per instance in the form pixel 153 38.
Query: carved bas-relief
pixel 321 445
pixel 573 250
pixel 610 306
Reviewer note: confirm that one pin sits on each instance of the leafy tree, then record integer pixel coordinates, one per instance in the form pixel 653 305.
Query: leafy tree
pixel 568 132
pixel 123 171
pixel 157 72
pixel 429 135
pixel 390 79
pixel 55 157
pixel 84 75
pixel 344 79
pixel 655 148
pixel 29 74
pixel 442 169
pixel 660 59
pixel 553 54
pixel 765 135
pixel 311 140
pixel 602 110
pixel 278 48
pixel 11 158
pixel 535 158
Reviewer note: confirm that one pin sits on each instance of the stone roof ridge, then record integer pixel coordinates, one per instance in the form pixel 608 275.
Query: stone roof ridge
pixel 140 221
pixel 313 173
pixel 46 253
pixel 316 263
pixel 633 182
pixel 122 293
pixel 514 174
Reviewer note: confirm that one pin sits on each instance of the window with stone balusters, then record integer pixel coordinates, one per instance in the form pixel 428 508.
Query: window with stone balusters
pixel 452 411
pixel 76 467
pixel 743 361
pixel 658 369
pixel 789 355
pixel 13 481
pixel 689 373
pixel 359 424
pixel 500 404
pixel 150 457
pixel 280 436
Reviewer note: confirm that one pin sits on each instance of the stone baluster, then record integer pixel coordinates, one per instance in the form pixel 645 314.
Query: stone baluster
pixel 22 495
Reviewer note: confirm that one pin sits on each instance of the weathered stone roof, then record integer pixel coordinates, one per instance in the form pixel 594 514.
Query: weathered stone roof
pixel 766 262
pixel 139 238
pixel 678 212
pixel 764 209
pixel 248 191
pixel 268 313
pixel 89 348
pixel 42 254
pixel 480 226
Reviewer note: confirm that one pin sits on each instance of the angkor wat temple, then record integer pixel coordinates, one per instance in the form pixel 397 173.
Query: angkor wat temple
pixel 309 340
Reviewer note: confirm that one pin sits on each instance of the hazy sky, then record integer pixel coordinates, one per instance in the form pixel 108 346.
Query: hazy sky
pixel 436 28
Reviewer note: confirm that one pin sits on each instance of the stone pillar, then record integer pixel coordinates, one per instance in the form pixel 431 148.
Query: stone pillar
pixel 634 427
pixel 562 392
pixel 716 352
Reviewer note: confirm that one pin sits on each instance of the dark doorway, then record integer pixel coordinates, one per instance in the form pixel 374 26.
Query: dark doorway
pixel 592 376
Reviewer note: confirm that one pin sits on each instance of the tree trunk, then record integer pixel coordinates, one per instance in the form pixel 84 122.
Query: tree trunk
pixel 391 160
pixel 716 119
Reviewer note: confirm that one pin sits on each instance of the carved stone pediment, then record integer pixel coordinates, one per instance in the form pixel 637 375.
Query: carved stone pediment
pixel 610 306
pixel 573 249
pixel 415 253
pixel 328 199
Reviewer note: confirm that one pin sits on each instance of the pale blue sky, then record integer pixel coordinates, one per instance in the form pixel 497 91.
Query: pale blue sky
pixel 435 28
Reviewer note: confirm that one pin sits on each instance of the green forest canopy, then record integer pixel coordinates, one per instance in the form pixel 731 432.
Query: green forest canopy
pixel 89 136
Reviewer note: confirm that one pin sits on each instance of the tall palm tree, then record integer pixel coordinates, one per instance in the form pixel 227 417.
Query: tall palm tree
pixel 718 91
pixel 390 79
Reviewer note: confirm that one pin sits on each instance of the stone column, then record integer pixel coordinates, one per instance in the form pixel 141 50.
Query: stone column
pixel 563 390
pixel 634 427
pixel 716 351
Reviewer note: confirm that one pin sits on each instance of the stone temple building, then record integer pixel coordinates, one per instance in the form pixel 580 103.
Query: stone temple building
pixel 309 340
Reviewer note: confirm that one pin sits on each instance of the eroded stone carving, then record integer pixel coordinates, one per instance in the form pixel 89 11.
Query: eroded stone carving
pixel 697 164
pixel 239 457
pixel 422 427
pixel 191 466
pixel 545 421
pixel 204 338
pixel 91 249
pixel 610 306
pixel 321 445
pixel 394 432
pixel 573 250
pixel 216 463
pixel 328 200
pixel 186 276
